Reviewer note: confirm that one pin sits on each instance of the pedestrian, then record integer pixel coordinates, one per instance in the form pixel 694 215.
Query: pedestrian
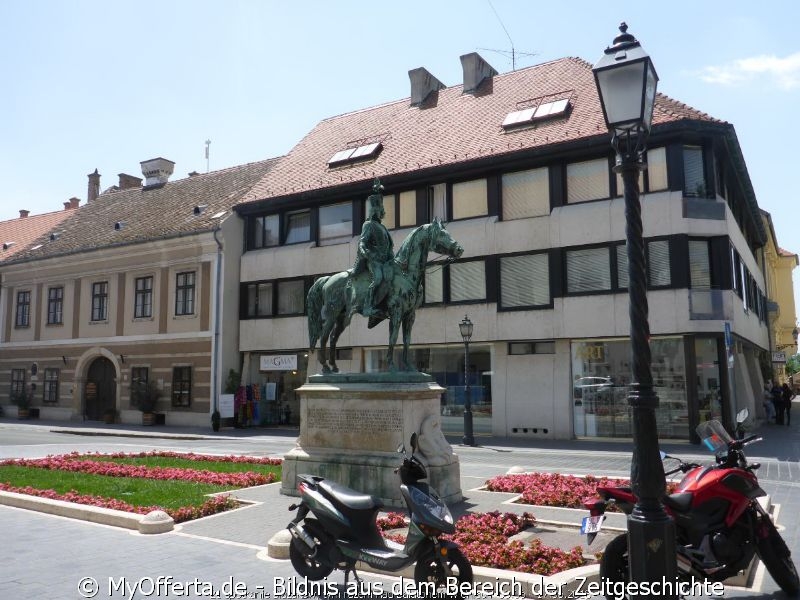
pixel 777 402
pixel 788 396
pixel 766 401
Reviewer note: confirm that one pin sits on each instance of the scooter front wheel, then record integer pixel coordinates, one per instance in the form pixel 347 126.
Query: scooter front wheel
pixel 307 566
pixel 429 570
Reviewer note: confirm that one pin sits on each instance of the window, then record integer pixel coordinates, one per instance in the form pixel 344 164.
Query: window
pixel 50 385
pixel 518 348
pixel 657 169
pixel 17 381
pixel 358 153
pixel 55 305
pixel 694 181
pixel 524 280
pixel 437 202
pixel 467 281
pixel 658 263
pixel 622 266
pixel 526 194
pixel 143 300
pixel 139 376
pixel 470 199
pixel 588 270
pixel 434 287
pixel 587 180
pixel 184 293
pixel 100 301
pixel 266 231
pixel 181 386
pixel 336 224
pixel 389 221
pixel 298 227
pixel 259 300
pixel 291 297
pixel 408 209
pixel 544 110
pixel 23 318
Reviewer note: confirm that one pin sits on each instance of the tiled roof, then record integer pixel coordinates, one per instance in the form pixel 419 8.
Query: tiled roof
pixel 25 230
pixel 451 128
pixel 151 213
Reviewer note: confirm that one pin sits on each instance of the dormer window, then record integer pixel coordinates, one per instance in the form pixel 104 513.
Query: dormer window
pixel 358 153
pixel 538 109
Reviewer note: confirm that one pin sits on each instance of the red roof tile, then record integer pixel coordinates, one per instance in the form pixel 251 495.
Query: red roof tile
pixel 19 234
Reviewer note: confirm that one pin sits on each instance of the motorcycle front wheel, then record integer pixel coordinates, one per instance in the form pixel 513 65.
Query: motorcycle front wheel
pixel 776 557
pixel 429 570
pixel 614 564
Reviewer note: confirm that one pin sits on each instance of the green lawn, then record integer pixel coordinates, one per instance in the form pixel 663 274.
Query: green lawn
pixel 185 463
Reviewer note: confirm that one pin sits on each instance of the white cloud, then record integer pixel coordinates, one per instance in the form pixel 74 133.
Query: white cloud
pixel 785 72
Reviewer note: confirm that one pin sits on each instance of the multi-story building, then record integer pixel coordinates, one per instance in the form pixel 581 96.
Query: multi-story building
pixel 520 166
pixel 139 284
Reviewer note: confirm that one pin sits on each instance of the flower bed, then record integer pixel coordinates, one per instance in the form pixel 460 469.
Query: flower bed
pixel 484 539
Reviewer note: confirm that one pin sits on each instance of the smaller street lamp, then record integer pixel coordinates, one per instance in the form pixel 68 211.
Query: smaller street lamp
pixel 794 345
pixel 465 327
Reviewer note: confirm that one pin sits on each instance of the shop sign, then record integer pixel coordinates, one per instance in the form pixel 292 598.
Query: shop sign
pixel 226 406
pixel 779 357
pixel 279 362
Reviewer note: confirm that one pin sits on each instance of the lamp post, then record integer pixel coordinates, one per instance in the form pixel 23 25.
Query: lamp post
pixel 465 327
pixel 626 83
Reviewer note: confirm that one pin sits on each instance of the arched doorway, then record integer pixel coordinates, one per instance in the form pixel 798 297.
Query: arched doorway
pixel 101 389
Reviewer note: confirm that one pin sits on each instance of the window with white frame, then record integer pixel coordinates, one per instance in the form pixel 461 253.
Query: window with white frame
pixel 470 199
pixel 467 281
pixel 524 280
pixel 298 227
pixel 55 305
pixel 100 301
pixel 50 385
pixel 23 316
pixel 587 180
pixel 526 194
pixel 291 297
pixel 588 270
pixel 335 223
pixel 184 293
pixel 143 297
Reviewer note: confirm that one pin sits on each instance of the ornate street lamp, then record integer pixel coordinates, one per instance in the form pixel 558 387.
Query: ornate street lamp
pixel 626 82
pixel 465 327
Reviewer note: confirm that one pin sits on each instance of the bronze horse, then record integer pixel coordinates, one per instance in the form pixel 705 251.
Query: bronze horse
pixel 334 299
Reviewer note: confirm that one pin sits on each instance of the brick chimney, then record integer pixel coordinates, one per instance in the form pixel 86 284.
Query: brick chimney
pixel 422 84
pixel 67 205
pixel 127 182
pixel 94 186
pixel 475 71
pixel 23 213
pixel 74 202
pixel 157 171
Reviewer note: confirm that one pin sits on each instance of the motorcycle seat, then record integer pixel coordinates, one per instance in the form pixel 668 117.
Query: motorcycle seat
pixel 680 502
pixel 349 497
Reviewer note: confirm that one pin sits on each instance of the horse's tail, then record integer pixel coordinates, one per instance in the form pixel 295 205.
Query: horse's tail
pixel 314 303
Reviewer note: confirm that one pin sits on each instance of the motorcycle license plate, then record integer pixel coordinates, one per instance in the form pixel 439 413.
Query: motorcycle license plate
pixel 592 524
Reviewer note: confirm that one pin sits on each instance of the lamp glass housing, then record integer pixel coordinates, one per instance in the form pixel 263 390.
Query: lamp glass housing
pixel 466 329
pixel 626 81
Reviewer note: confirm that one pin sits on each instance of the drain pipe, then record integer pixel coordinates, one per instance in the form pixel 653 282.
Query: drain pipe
pixel 215 416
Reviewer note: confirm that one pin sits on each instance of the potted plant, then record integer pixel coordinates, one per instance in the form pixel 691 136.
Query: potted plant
pixel 22 399
pixel 145 395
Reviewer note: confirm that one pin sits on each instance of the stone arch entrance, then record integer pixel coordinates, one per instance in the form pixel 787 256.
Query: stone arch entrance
pixel 100 391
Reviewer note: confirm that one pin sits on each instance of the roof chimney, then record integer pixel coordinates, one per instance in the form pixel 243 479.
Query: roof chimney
pixel 74 202
pixel 94 186
pixel 422 84
pixel 156 171
pixel 67 205
pixel 23 213
pixel 127 182
pixel 475 71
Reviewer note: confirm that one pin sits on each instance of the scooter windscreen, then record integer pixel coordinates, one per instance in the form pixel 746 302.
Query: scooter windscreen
pixel 714 436
pixel 430 507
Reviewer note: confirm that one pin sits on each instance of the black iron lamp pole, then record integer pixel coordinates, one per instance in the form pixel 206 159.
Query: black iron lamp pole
pixel 465 327
pixel 626 82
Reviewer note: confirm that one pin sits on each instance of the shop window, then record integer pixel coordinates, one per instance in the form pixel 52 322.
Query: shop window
pixel 184 293
pixel 23 316
pixel 336 224
pixel 470 199
pixel 587 180
pixel 526 194
pixel 17 381
pixel 588 270
pixel 139 377
pixel 298 227
pixel 266 231
pixel 524 280
pixel 143 300
pixel 50 385
pixel 55 305
pixel 291 297
pixel 100 301
pixel 181 386
pixel 467 281
pixel 259 300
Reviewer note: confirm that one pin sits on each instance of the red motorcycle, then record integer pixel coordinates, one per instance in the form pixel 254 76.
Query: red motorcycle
pixel 719 524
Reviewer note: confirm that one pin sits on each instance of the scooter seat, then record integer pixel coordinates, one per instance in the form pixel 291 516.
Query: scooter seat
pixel 680 502
pixel 349 497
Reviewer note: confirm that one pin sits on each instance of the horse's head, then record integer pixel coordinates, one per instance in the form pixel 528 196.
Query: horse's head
pixel 442 242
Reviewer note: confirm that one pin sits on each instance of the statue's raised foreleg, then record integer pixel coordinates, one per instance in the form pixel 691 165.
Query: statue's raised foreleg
pixel 408 324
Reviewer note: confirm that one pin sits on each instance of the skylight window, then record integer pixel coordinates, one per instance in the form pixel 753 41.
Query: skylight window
pixel 531 114
pixel 354 154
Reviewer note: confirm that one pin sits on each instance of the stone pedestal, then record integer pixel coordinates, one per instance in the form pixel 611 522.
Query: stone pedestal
pixel 351 426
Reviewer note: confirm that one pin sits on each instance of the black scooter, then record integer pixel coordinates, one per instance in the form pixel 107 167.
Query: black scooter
pixel 343 530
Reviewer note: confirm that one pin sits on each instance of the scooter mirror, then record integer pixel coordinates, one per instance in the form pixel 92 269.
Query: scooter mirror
pixel 663 454
pixel 414 442
pixel 742 415
pixel 401 448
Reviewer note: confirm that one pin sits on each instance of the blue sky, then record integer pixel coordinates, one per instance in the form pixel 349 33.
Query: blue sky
pixel 90 84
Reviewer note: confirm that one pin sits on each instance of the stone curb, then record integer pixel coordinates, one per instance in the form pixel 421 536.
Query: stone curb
pixel 156 521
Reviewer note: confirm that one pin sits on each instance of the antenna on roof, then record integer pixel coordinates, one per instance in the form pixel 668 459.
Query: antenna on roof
pixel 513 54
pixel 208 153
